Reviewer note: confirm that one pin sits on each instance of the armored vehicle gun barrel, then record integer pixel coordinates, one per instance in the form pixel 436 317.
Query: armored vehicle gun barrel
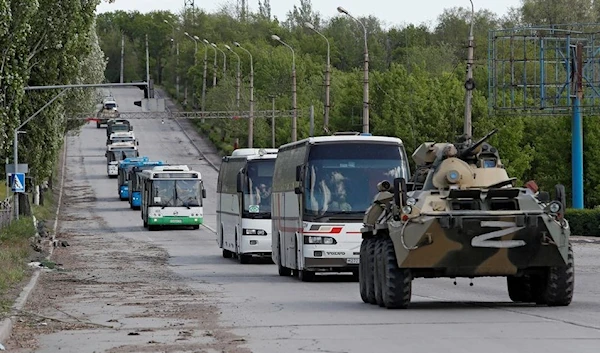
pixel 470 149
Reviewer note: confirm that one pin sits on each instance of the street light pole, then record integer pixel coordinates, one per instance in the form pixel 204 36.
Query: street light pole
pixel 238 78
pixel 366 73
pixel 16 144
pixel 177 61
pixel 294 107
pixel 251 117
pixel 204 74
pixel 195 63
pixel 327 77
pixel 224 59
pixel 214 63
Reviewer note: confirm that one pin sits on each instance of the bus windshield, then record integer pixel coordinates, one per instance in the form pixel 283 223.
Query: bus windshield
pixel 342 178
pixel 119 127
pixel 176 193
pixel 257 192
pixel 119 155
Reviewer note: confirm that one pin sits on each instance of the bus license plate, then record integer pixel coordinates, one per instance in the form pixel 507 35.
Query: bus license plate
pixel 353 261
pixel 175 221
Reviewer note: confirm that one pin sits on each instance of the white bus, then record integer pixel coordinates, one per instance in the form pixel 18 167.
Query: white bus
pixel 322 187
pixel 244 203
pixel 172 196
pixel 122 136
pixel 117 152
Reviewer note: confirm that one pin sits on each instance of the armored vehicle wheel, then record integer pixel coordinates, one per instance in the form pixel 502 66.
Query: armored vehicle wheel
pixel 520 289
pixel 378 271
pixel 362 271
pixel 397 284
pixel 227 254
pixel 369 268
pixel 560 283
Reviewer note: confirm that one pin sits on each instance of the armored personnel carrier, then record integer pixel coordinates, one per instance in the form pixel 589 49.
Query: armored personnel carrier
pixel 462 216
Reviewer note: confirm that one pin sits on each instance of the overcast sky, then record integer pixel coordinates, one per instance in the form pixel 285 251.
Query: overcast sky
pixel 390 12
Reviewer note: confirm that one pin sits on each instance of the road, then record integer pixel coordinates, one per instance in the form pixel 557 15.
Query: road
pixel 265 313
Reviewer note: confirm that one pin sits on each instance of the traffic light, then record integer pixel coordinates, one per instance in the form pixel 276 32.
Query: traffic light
pixel 138 103
pixel 144 87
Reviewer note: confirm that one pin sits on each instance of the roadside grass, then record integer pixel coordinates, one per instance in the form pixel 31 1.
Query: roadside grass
pixel 16 251
pixel 2 190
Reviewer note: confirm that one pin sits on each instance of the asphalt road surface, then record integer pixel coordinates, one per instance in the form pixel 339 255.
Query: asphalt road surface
pixel 281 314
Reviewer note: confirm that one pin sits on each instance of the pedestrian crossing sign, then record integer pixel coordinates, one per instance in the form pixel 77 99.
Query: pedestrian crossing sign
pixel 17 182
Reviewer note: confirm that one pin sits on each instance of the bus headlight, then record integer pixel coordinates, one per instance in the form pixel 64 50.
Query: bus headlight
pixel 319 240
pixel 247 231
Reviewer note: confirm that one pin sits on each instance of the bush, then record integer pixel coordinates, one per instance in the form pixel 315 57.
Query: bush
pixel 584 222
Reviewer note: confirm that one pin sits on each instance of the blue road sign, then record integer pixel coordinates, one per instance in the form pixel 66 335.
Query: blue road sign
pixel 17 182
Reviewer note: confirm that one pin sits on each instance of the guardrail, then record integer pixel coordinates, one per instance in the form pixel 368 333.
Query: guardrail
pixel 201 115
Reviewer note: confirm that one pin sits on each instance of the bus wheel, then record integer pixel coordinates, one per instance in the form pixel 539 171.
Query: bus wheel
pixel 152 227
pixel 306 276
pixel 145 224
pixel 244 259
pixel 196 226
pixel 283 271
pixel 227 254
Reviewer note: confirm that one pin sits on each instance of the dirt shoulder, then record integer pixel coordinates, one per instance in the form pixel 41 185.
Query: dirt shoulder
pixel 109 293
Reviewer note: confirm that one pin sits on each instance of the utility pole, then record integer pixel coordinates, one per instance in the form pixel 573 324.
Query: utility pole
pixel 273 121
pixel 122 55
pixel 147 65
pixel 469 83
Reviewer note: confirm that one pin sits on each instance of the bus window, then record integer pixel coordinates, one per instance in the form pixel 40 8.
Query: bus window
pixel 188 193
pixel 344 177
pixel 257 194
pixel 163 193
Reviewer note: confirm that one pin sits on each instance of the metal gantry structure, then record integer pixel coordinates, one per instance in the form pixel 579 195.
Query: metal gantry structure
pixel 548 71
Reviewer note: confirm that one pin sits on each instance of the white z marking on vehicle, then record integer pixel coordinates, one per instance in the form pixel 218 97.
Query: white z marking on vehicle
pixel 484 240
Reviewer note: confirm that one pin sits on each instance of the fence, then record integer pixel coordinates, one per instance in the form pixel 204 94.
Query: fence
pixel 6 212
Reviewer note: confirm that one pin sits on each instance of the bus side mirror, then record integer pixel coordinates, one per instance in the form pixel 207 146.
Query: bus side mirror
pixel 298 173
pixel 240 182
pixel 203 193
pixel 299 177
pixel 400 191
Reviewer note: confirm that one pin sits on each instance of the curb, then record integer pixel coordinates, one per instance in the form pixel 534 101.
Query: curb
pixel 7 324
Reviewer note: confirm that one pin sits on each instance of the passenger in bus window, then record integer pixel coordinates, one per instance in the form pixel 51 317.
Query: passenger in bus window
pixel 339 197
pixel 319 194
pixel 263 195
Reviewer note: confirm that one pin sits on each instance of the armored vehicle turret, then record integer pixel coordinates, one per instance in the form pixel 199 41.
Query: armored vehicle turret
pixel 461 215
